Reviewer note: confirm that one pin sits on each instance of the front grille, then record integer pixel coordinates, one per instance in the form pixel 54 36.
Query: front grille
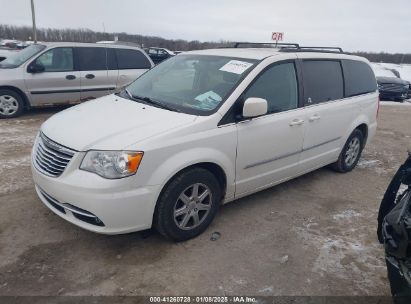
pixel 50 157
pixel 392 87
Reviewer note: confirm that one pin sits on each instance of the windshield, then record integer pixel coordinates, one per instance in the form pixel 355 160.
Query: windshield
pixel 22 56
pixel 383 72
pixel 193 84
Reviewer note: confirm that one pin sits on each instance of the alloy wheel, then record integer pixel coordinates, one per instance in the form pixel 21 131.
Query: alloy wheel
pixel 353 150
pixel 192 206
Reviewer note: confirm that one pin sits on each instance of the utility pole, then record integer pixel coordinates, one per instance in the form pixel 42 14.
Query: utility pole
pixel 33 16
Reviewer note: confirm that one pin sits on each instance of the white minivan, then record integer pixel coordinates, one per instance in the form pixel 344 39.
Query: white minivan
pixel 202 129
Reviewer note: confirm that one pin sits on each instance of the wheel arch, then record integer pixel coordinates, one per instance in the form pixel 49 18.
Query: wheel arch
pixel 18 91
pixel 362 123
pixel 364 130
pixel 212 167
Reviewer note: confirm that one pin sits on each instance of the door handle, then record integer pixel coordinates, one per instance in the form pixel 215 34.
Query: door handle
pixel 314 117
pixel 70 77
pixel 296 122
pixel 90 76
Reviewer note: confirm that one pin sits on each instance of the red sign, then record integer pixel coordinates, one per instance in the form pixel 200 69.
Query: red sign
pixel 277 36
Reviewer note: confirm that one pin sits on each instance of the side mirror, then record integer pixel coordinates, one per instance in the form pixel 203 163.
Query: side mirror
pixel 35 68
pixel 254 107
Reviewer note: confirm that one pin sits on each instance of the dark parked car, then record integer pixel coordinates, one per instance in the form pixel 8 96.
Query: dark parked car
pixel 394 230
pixel 392 88
pixel 159 54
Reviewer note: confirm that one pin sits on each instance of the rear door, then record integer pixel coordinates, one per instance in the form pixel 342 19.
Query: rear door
pixel 58 83
pixel 92 63
pixel 131 64
pixel 328 113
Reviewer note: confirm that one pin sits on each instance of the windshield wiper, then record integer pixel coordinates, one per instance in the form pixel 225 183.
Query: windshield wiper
pixel 148 100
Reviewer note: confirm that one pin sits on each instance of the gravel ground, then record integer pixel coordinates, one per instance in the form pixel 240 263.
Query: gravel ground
pixel 314 235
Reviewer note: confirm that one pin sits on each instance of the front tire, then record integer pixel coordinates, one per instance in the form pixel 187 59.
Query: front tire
pixel 188 204
pixel 351 153
pixel 11 104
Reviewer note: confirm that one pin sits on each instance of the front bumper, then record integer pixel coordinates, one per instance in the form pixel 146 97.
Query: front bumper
pixel 393 94
pixel 94 203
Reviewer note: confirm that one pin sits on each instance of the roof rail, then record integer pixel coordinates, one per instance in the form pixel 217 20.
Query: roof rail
pixel 291 47
pixel 322 49
pixel 272 44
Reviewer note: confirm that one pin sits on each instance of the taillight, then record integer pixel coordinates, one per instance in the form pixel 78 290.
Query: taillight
pixel 378 107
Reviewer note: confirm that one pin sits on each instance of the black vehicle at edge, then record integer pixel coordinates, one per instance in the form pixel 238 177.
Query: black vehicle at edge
pixel 392 88
pixel 394 231
pixel 159 54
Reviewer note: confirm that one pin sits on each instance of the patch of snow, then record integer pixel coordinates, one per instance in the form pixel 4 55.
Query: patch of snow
pixel 381 70
pixel 344 251
pixel 284 259
pixel 406 103
pixel 9 164
pixel 403 69
pixel 15 184
pixel 268 289
pixel 346 214
pixel 368 163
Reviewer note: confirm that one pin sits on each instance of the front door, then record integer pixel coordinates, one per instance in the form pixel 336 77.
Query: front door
pixel 269 146
pixel 58 83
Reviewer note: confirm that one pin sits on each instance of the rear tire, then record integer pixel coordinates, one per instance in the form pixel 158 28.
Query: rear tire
pixel 350 153
pixel 11 104
pixel 188 204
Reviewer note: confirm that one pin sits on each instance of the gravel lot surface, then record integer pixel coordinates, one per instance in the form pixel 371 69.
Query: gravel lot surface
pixel 314 235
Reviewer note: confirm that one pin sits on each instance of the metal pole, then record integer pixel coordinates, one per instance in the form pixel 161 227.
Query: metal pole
pixel 33 16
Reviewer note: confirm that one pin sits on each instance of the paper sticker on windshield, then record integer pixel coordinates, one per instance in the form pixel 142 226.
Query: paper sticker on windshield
pixel 236 66
pixel 208 100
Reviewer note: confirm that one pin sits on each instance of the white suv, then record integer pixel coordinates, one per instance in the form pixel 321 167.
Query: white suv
pixel 202 129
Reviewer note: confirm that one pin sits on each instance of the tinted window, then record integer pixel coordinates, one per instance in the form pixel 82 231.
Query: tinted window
pixel 278 85
pixel 131 59
pixel 323 81
pixel 92 59
pixel 57 60
pixel 111 59
pixel 359 78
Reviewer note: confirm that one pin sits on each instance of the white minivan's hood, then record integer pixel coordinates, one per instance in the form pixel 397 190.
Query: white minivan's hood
pixel 110 123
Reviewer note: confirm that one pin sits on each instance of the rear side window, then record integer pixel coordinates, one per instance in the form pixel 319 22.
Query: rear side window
pixel 91 59
pixel 359 78
pixel 323 81
pixel 131 59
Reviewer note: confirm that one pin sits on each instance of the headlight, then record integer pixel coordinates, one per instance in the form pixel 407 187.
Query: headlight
pixel 112 164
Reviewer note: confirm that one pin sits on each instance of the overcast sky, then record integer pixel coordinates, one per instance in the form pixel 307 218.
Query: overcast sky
pixel 369 25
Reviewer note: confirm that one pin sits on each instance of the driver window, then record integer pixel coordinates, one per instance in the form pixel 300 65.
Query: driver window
pixel 57 60
pixel 278 85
